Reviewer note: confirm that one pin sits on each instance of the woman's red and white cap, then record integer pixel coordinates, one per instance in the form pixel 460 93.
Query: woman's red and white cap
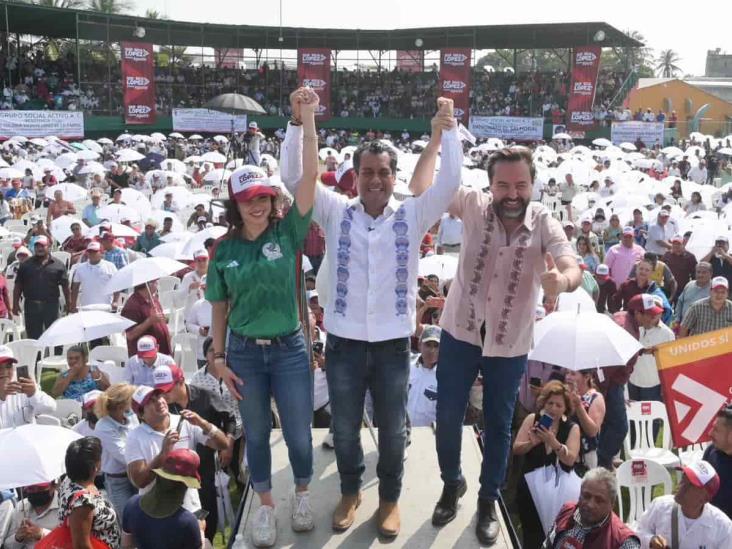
pixel 249 182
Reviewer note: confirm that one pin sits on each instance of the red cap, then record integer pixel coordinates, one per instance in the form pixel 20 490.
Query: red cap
pixel 147 347
pixel 644 303
pixel 141 396
pixel 702 475
pixel 181 465
pixel 249 182
pixel 167 377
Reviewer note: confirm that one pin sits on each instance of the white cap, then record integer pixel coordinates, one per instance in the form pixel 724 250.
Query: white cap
pixel 88 399
pixel 147 346
pixel 248 182
pixel 719 281
pixel 6 354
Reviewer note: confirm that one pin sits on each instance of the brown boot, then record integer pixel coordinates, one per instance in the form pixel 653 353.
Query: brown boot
pixel 389 522
pixel 345 512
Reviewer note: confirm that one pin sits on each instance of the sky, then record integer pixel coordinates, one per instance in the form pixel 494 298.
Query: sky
pixel 687 30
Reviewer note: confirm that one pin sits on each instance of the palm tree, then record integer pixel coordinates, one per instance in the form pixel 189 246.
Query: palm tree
pixel 152 14
pixel 110 6
pixel 666 64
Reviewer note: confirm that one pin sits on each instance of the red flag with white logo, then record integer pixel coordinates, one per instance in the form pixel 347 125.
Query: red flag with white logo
pixel 313 70
pixel 455 80
pixel 582 90
pixel 138 82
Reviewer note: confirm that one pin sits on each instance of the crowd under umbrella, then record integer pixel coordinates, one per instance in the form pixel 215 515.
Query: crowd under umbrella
pixel 83 327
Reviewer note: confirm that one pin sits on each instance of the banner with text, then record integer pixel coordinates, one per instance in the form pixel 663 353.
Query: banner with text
pixel 409 60
pixel 651 133
pixel 507 127
pixel 696 381
pixel 63 124
pixel 313 69
pixel 582 90
pixel 207 121
pixel 138 82
pixel 455 80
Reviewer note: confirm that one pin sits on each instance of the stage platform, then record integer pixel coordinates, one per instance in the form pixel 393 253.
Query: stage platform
pixel 421 490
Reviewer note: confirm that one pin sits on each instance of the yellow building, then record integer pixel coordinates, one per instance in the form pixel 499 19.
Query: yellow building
pixel 689 101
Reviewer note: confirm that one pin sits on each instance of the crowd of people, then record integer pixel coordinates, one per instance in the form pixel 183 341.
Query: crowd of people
pixel 436 350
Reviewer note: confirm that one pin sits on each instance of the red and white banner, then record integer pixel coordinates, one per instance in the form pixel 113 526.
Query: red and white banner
pixel 409 60
pixel 455 80
pixel 582 90
pixel 138 82
pixel 697 382
pixel 313 69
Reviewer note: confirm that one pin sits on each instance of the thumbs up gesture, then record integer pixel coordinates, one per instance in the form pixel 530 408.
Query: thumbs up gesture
pixel 552 280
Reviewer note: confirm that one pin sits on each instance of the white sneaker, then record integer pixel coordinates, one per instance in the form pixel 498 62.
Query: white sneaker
pixel 302 513
pixel 264 527
pixel 328 441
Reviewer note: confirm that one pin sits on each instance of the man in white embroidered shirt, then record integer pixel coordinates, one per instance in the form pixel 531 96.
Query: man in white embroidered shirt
pixel 697 522
pixel 370 306
pixel 511 246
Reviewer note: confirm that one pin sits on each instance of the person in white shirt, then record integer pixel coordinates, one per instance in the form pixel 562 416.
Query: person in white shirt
pixel 86 427
pixel 90 279
pixel 699 524
pixel 698 174
pixel 190 289
pixel 422 399
pixel 21 400
pixel 34 517
pixel 674 170
pixel 139 369
pixel 374 242
pixel 644 381
pixel 609 188
pixel 450 234
pixel 198 321
pixel 149 443
pixel 660 234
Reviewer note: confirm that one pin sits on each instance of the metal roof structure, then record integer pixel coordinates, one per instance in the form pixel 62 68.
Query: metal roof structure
pixel 35 20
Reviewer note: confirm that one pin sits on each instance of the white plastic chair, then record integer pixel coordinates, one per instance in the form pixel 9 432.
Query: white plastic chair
pixel 640 476
pixel 64 257
pixel 9 329
pixel 184 352
pixel 116 374
pixel 67 407
pixel 176 320
pixel 641 416
pixel 53 361
pixel 167 301
pixel 16 226
pixel 691 453
pixel 116 353
pixel 168 284
pixel 44 419
pixel 26 352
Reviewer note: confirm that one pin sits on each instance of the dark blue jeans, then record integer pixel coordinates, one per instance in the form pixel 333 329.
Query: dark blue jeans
pixel 614 427
pixel 382 367
pixel 457 369
pixel 283 370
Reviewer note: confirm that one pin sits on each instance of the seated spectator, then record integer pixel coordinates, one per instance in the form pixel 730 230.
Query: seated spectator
pixel 422 396
pixel 76 243
pixel 698 522
pixel 21 400
pixel 144 308
pixel 139 369
pixel 695 290
pixel 199 212
pixel 34 517
pixel 157 519
pixel 149 239
pixel 59 207
pixel 591 521
pixel 80 378
pixel 589 413
pixel 86 427
pixel 719 455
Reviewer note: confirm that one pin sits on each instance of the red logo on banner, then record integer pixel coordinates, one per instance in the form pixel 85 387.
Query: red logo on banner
pixel 138 82
pixel 455 80
pixel 582 91
pixel 313 70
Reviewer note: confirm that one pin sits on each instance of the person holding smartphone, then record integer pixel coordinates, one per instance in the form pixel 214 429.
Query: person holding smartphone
pixel 547 437
pixel 21 400
pixel 80 378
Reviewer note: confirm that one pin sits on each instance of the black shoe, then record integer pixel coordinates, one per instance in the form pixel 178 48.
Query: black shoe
pixel 487 528
pixel 446 508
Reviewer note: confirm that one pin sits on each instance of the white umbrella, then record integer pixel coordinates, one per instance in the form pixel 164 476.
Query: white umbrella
pixel 672 151
pixel 160 215
pixel 195 243
pixel 128 155
pixel 83 326
pixel 173 165
pixel 93 145
pixel 562 135
pixel 181 197
pixel 116 213
pixel 176 135
pixel 87 155
pixel 270 160
pixel 39 142
pixel 117 229
pixel 195 137
pixel 92 167
pixel 444 266
pixel 124 137
pixel 61 227
pixel 236 163
pixel 172 250
pixel 33 454
pixel 550 488
pixel 577 300
pixel 162 175
pixel 3 164
pixel 66 160
pixel 10 173
pixel 71 191
pixel 581 341
pixel 159 136
pixel 104 141
pixel 217 176
pixel 328 151
pixel 135 199
pixel 628 147
pixel 141 272
pixel 213 156
pixel 602 142
pixel 192 159
pixel 727 151
pixel 220 139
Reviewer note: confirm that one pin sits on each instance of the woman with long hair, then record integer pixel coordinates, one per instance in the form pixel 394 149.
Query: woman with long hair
pixel 252 286
pixel 589 256
pixel 589 413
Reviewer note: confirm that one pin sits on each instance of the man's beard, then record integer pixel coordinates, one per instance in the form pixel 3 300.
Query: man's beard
pixel 507 213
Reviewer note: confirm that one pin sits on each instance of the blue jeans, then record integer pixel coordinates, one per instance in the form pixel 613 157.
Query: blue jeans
pixel 383 368
pixel 458 366
pixel 119 491
pixel 614 427
pixel 281 369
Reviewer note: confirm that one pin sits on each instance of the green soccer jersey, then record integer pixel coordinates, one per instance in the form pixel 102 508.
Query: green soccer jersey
pixel 258 278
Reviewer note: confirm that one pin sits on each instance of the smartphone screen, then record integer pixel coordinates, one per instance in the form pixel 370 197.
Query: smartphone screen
pixel 545 421
pixel 22 372
pixel 180 424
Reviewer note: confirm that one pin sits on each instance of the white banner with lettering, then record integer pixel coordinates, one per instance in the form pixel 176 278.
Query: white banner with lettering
pixel 507 127
pixel 205 120
pixel 628 132
pixel 63 124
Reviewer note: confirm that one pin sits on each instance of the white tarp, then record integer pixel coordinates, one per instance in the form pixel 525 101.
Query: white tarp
pixel 507 127
pixel 628 132
pixel 63 124
pixel 206 120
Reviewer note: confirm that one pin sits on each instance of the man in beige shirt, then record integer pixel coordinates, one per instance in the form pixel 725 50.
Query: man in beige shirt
pixel 511 246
